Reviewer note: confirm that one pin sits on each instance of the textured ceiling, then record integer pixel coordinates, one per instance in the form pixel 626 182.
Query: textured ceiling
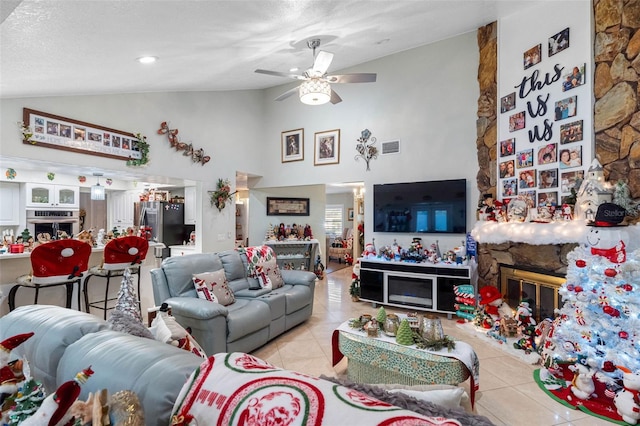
pixel 63 47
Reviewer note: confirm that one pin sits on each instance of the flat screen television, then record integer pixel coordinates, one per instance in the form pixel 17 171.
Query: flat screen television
pixel 433 207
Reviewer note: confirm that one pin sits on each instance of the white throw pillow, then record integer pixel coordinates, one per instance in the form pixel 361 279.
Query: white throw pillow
pixel 213 286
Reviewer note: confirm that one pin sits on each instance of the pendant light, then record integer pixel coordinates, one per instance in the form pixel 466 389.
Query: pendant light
pixel 97 190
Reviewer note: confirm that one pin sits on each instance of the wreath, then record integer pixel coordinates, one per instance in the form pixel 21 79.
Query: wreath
pixel 222 194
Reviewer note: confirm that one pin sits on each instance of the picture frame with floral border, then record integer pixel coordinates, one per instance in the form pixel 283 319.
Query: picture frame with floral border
pixel 327 147
pixel 292 145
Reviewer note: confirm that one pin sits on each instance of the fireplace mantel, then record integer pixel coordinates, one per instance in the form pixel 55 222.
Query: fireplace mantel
pixel 554 233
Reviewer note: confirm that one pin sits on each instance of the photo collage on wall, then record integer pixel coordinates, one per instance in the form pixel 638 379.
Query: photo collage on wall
pixel 541 160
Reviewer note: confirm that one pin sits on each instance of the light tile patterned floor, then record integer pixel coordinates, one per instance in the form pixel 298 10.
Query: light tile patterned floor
pixel 508 394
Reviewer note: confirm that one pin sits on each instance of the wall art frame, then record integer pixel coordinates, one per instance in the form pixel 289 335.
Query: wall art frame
pixel 57 132
pixel 278 206
pixel 292 145
pixel 350 214
pixel 327 147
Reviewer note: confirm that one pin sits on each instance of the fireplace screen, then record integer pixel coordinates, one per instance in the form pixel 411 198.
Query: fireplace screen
pixel 540 290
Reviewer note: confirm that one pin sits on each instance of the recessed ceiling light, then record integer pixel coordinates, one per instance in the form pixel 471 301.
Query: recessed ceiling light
pixel 147 59
pixel 294 69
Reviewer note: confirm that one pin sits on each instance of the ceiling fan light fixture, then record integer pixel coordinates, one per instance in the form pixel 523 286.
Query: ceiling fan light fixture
pixel 315 92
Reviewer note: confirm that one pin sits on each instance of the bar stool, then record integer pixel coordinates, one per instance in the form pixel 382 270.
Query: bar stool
pixel 61 262
pixel 119 254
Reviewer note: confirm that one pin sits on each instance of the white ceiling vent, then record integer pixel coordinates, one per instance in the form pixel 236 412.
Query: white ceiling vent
pixel 391 147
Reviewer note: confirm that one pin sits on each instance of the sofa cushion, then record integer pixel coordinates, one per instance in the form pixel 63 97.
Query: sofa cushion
pixel 236 270
pixel 213 286
pixel 297 297
pixel 269 275
pixel 55 328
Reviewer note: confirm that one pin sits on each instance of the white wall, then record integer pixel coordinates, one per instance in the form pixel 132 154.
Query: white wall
pixel 517 35
pixel 426 97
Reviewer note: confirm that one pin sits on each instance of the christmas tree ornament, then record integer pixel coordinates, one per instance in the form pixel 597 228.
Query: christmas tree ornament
pixel 27 402
pixel 610 272
pixel 606 236
pixel 581 263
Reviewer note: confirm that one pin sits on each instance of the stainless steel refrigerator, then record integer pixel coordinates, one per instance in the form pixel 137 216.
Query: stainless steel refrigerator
pixel 166 221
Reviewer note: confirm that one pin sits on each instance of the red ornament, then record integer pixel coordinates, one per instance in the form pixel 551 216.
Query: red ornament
pixel 627 287
pixel 609 310
pixel 581 263
pixel 610 272
pixel 579 288
pixel 623 335
pixel 570 287
pixel 609 367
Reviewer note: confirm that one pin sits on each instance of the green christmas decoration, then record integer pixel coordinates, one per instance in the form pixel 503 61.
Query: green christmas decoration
pixel 27 401
pixel 404 336
pixel 381 317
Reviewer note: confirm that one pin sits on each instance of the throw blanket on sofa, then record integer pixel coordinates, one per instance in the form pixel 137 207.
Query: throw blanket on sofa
pixel 240 389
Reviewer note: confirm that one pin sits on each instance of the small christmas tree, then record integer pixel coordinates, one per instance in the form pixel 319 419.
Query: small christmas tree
pixel 127 298
pixel 27 401
pixel 404 336
pixel 381 317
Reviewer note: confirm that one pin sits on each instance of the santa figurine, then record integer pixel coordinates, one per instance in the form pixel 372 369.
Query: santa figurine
pixel 606 236
pixel 7 345
pixel 493 305
pixel 55 408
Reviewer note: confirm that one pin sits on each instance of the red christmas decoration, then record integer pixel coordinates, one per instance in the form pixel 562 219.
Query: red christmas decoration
pixel 578 288
pixel 627 287
pixel 581 263
pixel 609 310
pixel 623 335
pixel 610 272
pixel 609 367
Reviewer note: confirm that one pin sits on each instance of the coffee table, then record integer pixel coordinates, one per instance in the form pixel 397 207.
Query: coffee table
pixel 382 360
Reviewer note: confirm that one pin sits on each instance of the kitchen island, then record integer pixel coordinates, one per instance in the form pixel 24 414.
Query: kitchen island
pixel 13 265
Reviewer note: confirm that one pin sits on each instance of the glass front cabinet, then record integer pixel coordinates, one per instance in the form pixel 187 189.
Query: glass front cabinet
pixel 43 196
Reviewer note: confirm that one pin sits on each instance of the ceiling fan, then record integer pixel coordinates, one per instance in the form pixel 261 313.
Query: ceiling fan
pixel 316 88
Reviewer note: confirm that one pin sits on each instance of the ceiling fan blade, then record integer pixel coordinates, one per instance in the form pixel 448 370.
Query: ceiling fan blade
pixel 352 78
pixel 281 74
pixel 288 93
pixel 335 98
pixel 322 62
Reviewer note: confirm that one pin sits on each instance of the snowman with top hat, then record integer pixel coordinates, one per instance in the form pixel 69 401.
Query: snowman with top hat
pixel 607 234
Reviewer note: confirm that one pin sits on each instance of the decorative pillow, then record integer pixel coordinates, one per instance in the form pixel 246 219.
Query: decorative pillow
pixel 213 286
pixel 269 275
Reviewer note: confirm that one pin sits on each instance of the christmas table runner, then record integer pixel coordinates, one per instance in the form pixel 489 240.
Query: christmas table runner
pixel 240 389
pixel 463 352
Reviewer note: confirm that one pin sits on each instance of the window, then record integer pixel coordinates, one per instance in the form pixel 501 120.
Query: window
pixel 333 214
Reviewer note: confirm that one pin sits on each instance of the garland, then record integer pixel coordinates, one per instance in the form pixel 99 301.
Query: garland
pixel 143 147
pixel 433 344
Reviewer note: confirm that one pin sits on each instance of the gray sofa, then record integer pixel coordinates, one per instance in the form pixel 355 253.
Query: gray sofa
pixel 67 341
pixel 257 316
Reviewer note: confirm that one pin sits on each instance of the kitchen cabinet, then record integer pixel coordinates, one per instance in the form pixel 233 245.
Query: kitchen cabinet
pixel 9 204
pixel 121 208
pixel 190 205
pixel 47 196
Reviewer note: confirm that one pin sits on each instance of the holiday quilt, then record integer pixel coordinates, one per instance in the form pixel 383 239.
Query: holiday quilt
pixel 240 389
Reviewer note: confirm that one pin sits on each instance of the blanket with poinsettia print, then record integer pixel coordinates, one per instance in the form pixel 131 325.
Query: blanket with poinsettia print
pixel 240 389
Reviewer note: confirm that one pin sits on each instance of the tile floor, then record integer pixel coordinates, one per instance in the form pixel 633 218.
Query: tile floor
pixel 508 394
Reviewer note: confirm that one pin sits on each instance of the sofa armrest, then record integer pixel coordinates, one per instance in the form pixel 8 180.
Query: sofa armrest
pixel 296 277
pixel 195 308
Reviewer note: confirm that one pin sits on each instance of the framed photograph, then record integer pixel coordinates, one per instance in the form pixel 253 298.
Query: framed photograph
pixel 559 42
pixel 532 56
pixel 527 179
pixel 570 158
pixel 507 169
pixel 574 78
pixel 350 214
pixel 566 108
pixel 547 199
pixel 507 103
pixel 525 158
pixel 516 121
pixel 292 145
pixel 54 131
pixel 509 188
pixel 571 132
pixel 571 180
pixel 548 154
pixel 327 147
pixel 548 178
pixel 507 147
pixel 287 206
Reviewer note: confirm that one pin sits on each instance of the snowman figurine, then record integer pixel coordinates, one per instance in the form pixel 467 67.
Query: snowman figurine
pixel 606 236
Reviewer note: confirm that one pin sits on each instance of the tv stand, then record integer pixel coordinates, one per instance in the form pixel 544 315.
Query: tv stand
pixel 421 286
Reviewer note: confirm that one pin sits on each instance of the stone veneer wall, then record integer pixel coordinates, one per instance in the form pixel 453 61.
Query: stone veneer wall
pixel 616 123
